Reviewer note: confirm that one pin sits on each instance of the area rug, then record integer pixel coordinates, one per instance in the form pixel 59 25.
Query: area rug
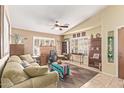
pixel 78 77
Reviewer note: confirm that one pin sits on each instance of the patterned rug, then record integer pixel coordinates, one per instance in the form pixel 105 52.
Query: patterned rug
pixel 78 77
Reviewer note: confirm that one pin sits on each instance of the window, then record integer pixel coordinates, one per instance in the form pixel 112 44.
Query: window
pixel 41 41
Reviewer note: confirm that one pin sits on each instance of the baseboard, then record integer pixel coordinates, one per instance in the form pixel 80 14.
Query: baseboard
pixel 108 74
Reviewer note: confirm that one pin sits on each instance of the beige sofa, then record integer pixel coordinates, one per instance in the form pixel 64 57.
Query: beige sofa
pixel 14 76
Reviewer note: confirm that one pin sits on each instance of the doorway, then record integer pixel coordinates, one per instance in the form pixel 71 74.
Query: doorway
pixel 121 53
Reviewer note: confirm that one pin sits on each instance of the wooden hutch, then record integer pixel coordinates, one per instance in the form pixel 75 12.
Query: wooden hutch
pixel 95 53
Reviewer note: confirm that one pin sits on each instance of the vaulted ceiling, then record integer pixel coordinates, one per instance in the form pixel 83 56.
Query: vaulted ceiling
pixel 41 18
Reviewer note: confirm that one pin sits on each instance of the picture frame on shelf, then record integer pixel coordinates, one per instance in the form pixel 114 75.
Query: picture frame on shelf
pixel 98 35
pixel 83 33
pixel 74 35
pixel 78 34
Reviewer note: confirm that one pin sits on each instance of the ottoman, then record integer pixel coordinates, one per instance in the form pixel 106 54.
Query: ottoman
pixel 62 69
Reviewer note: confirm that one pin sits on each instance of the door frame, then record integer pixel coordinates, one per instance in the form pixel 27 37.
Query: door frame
pixel 116 49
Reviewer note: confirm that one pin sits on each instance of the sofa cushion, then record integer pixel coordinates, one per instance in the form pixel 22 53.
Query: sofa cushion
pixel 14 72
pixel 25 84
pixel 40 82
pixel 27 57
pixel 46 80
pixel 34 71
pixel 6 83
pixel 14 59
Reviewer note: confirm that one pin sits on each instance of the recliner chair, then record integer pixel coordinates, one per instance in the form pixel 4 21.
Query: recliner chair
pixel 52 56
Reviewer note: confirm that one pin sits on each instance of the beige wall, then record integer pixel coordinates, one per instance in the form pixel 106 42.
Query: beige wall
pixel 111 18
pixel 108 19
pixel 28 44
pixel 89 24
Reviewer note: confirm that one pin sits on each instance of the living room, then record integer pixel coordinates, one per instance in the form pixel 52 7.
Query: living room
pixel 85 44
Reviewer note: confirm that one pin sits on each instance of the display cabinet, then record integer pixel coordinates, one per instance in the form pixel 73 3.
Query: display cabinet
pixel 95 53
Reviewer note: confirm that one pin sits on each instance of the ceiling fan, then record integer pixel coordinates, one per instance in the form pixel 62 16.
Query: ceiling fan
pixel 58 26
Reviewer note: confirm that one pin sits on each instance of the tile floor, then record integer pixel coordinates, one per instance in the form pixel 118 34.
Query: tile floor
pixel 101 80
pixel 104 81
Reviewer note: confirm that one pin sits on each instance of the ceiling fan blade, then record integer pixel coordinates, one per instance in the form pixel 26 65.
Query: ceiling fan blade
pixel 64 26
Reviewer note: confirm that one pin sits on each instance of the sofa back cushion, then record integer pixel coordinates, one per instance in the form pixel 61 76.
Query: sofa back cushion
pixel 14 59
pixel 27 57
pixel 34 64
pixel 14 72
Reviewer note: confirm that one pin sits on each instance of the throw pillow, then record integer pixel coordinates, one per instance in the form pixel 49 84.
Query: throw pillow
pixel 25 64
pixel 27 57
pixel 34 71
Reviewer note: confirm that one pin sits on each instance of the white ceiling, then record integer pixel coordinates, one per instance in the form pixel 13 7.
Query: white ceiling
pixel 41 17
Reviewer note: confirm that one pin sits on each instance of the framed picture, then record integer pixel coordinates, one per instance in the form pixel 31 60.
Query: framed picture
pixel 98 35
pixel 111 46
pixel 96 56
